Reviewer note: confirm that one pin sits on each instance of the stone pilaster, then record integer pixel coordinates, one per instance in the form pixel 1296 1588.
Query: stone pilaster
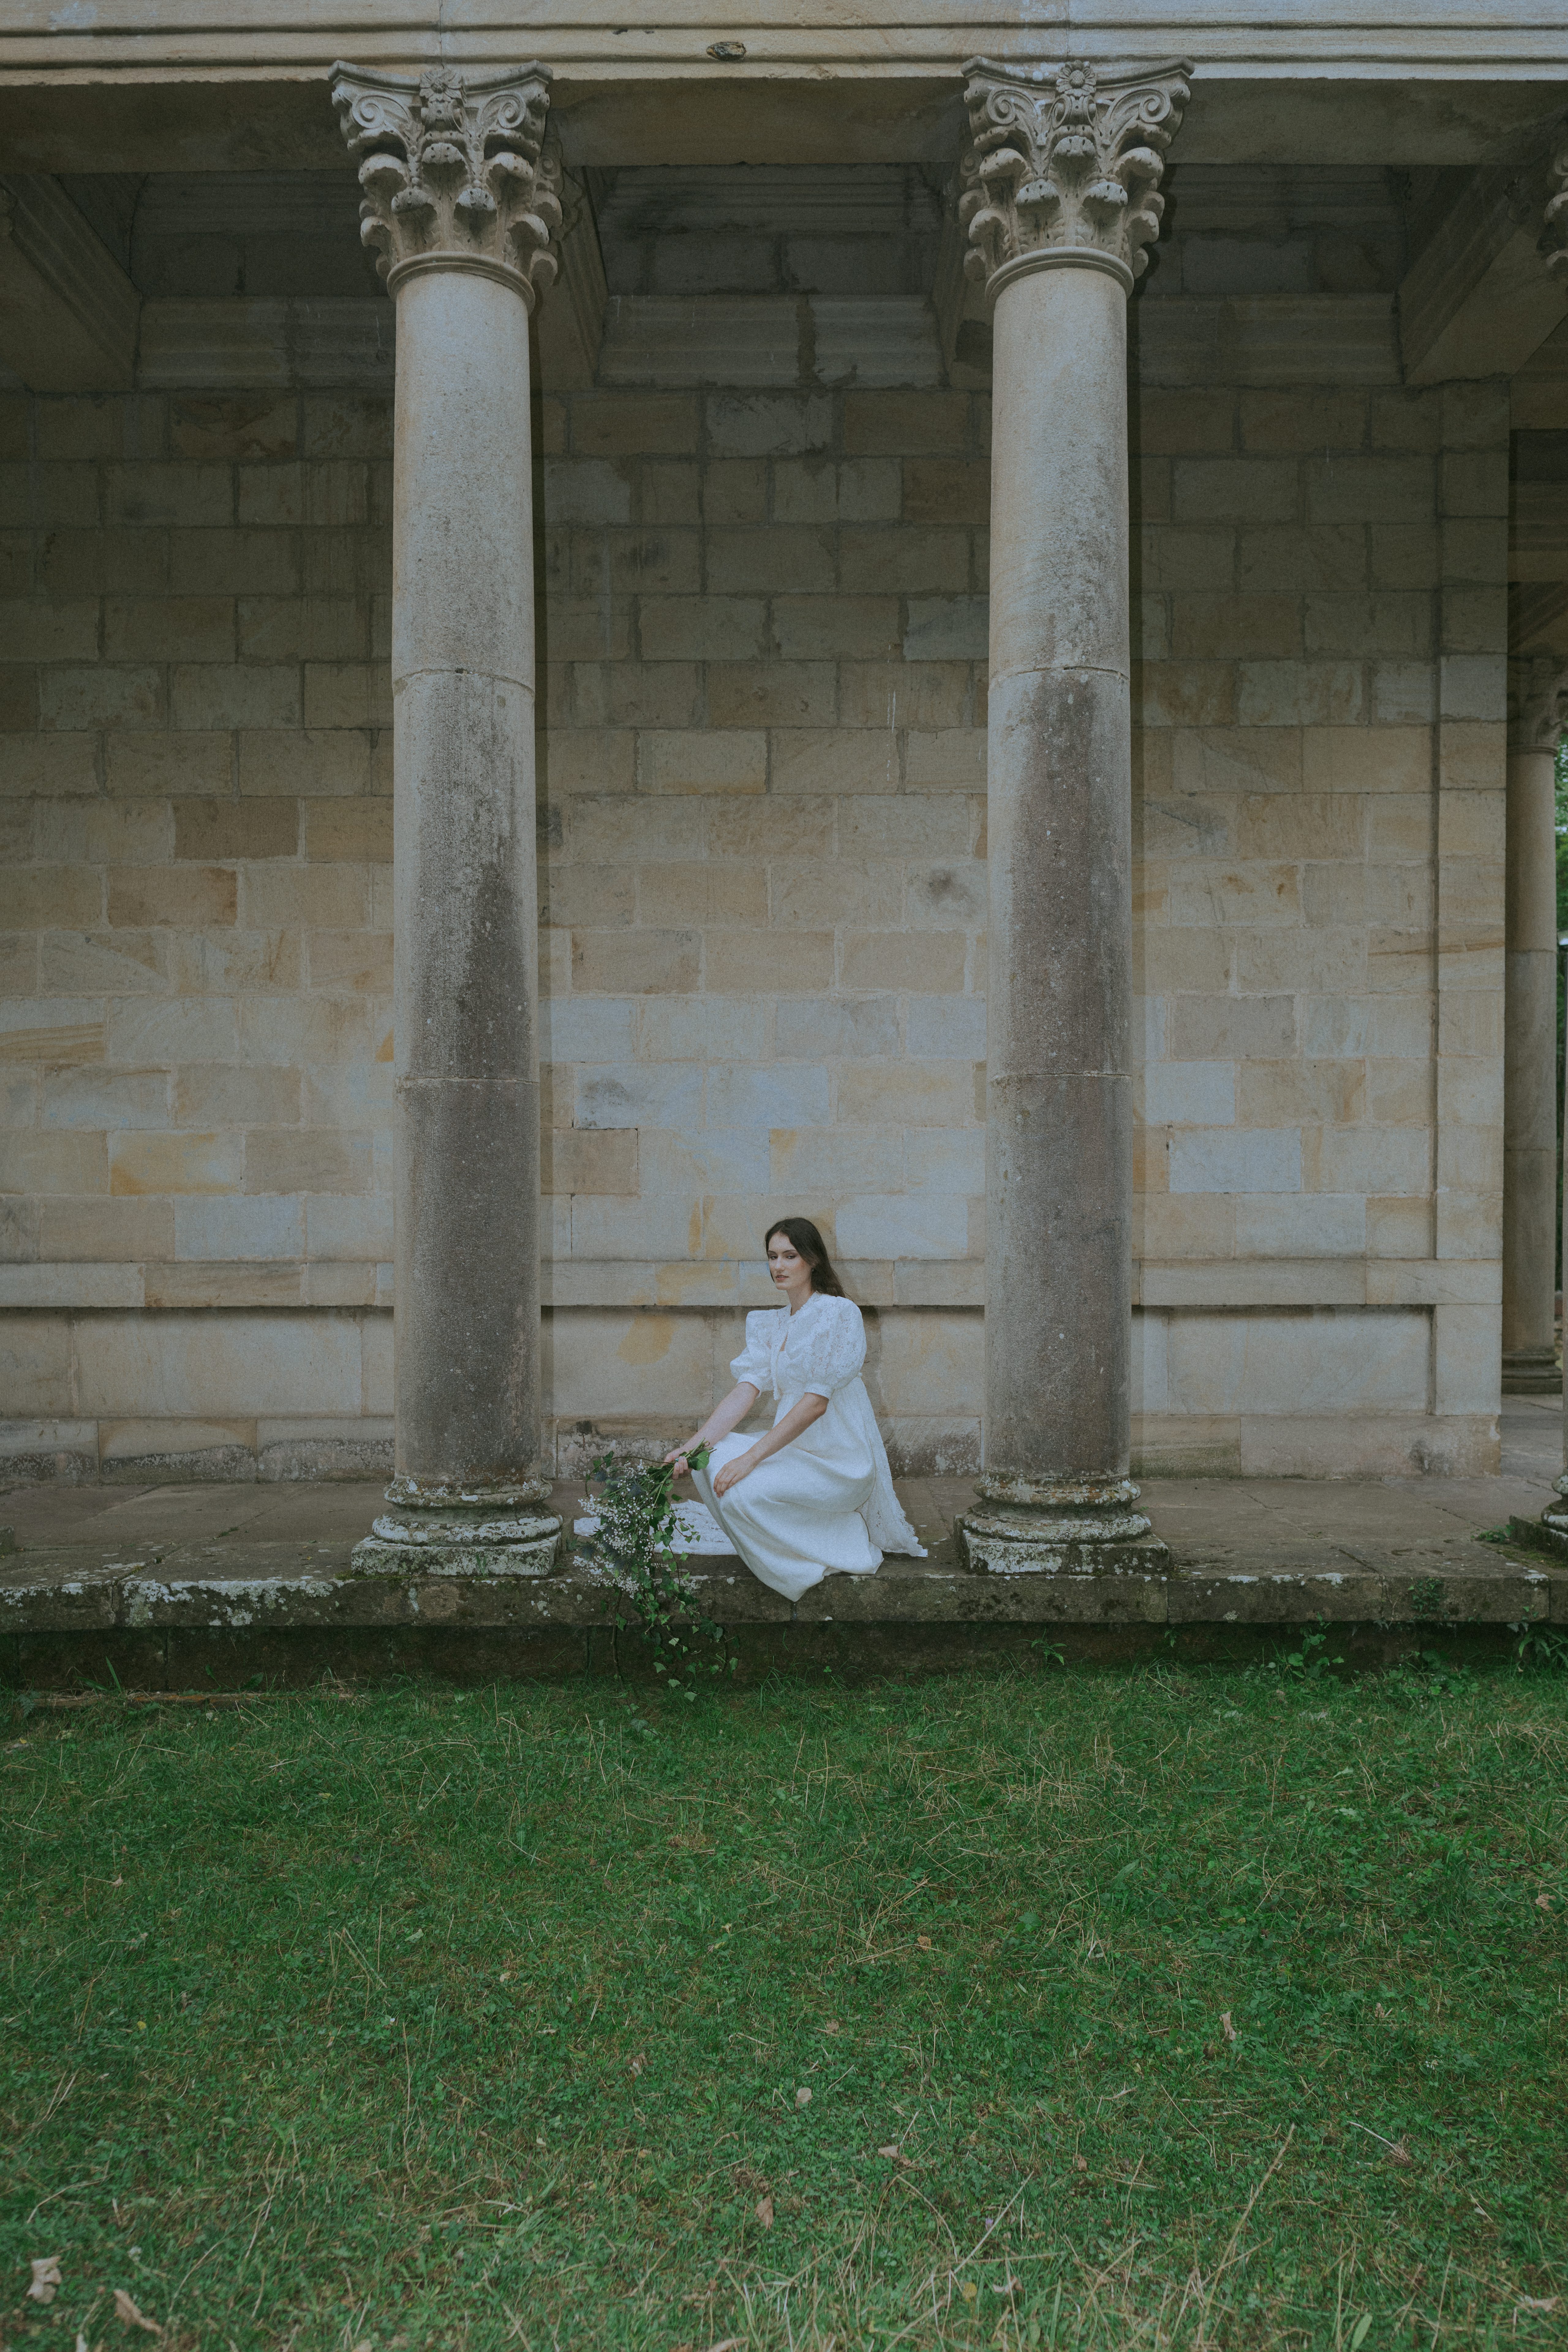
pixel 459 202
pixel 1538 713
pixel 1060 200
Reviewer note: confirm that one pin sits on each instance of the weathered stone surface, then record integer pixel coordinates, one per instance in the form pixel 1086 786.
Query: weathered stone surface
pixel 1317 818
pixel 1097 1552
pixel 441 1541
pixel 1061 198
pixel 1064 162
pixel 68 309
pixel 452 171
pixel 274 1591
pixel 468 1400
pixel 1538 713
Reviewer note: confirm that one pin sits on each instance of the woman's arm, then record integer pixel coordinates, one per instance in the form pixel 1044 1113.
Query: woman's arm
pixel 720 1423
pixel 798 1418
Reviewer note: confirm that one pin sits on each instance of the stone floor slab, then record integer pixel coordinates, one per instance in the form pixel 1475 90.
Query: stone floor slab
pixel 252 1563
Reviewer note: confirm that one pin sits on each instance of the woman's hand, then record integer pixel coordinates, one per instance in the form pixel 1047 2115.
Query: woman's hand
pixel 733 1472
pixel 679 1458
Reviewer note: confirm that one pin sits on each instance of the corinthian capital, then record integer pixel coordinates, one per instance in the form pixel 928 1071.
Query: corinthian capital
pixel 453 172
pixel 1537 702
pixel 1555 242
pixel 1064 167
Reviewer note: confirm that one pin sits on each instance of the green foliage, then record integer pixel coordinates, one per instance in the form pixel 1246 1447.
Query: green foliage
pixel 1541 1650
pixel 1309 1661
pixel 1156 2011
pixel 638 1550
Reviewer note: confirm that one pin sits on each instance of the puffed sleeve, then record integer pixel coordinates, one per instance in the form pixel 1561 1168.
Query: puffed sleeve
pixel 833 1349
pixel 756 1360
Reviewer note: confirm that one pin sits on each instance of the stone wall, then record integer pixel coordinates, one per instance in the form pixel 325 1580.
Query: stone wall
pixel 1324 635
pixel 196 805
pixel 763 632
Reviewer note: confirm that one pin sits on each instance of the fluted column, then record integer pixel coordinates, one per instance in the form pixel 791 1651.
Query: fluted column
pixel 459 203
pixel 1060 199
pixel 1538 708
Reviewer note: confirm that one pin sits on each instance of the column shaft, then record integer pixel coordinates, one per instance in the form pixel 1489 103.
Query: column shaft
pixel 1061 202
pixel 466 983
pixel 1058 1106
pixel 460 202
pixel 1530 1077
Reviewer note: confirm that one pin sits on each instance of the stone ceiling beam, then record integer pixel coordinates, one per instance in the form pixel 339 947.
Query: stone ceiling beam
pixel 1478 300
pixel 1538 521
pixel 68 312
pixel 1539 392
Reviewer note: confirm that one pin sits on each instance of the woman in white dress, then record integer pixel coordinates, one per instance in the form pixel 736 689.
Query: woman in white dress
pixel 814 1498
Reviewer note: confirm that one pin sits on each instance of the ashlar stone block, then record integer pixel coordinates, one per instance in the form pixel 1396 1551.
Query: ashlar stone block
pixel 1189 1094
pixel 919 1224
pixel 1230 1160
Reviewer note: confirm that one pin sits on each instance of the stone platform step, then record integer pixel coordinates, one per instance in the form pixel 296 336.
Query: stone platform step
pixel 209 1586
pixel 200 1615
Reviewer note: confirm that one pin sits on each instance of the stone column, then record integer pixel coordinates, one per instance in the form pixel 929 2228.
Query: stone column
pixel 460 203
pixel 1552 1530
pixel 1059 199
pixel 1538 708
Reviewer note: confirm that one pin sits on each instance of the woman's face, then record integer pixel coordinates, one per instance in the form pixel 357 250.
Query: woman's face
pixel 789 1269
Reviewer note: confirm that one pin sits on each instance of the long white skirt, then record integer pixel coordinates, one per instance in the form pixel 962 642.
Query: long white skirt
pixel 797 1517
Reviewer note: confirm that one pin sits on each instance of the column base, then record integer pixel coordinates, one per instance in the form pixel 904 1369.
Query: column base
pixel 1550 1532
pixel 454 1530
pixel 1555 1517
pixel 1060 1526
pixel 1530 1372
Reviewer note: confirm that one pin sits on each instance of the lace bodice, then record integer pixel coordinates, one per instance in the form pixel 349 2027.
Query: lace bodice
pixel 818 1352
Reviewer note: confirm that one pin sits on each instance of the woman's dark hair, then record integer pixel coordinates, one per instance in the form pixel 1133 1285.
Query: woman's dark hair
pixel 803 1236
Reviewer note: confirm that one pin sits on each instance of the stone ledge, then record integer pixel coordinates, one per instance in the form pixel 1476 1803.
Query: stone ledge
pixel 282 1587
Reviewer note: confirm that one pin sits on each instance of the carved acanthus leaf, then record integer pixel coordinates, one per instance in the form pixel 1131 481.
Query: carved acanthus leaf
pixel 453 168
pixel 1554 241
pixel 1065 159
pixel 1537 702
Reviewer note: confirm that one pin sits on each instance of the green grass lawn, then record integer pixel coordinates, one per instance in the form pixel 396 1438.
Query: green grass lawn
pixel 1123 2009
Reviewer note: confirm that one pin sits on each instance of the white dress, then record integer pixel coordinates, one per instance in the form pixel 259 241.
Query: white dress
pixel 824 1504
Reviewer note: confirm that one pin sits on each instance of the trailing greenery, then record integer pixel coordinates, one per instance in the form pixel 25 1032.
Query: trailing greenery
pixel 1155 2009
pixel 639 1550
